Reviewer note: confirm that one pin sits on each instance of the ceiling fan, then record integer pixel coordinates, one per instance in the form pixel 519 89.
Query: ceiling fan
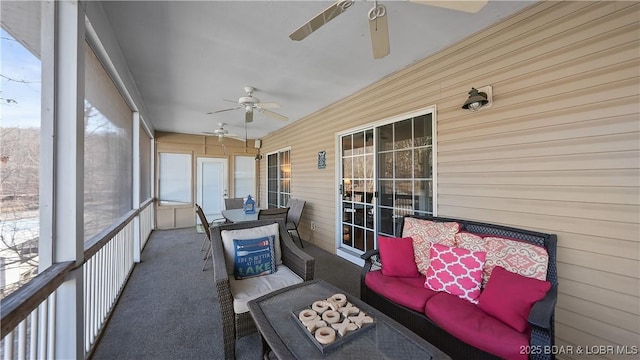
pixel 222 133
pixel 377 16
pixel 250 103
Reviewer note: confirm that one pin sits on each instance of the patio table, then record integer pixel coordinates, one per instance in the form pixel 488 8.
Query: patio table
pixel 238 215
pixel 387 339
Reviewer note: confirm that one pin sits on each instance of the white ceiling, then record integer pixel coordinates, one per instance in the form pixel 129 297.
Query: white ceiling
pixel 187 57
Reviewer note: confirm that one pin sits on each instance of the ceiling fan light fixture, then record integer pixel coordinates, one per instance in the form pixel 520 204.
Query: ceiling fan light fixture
pixel 248 115
pixel 479 98
pixel 249 103
pixel 221 133
pixel 248 100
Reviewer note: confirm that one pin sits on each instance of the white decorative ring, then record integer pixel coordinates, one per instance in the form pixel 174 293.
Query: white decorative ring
pixel 307 314
pixel 340 299
pixel 331 316
pixel 320 306
pixel 325 335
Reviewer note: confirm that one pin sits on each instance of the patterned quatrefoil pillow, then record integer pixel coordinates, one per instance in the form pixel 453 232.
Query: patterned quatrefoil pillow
pixel 456 271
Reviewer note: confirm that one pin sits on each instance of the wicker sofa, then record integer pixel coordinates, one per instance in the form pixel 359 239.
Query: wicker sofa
pixel 540 327
pixel 234 324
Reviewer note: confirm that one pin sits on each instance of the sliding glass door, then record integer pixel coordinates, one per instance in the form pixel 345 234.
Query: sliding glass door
pixel 358 190
pixel 386 173
pixel 405 171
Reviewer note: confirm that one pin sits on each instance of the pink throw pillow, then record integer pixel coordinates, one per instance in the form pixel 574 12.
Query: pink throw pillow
pixel 456 271
pixel 509 297
pixel 396 255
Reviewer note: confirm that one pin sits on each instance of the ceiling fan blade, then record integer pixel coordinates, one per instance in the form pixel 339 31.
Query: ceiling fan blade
pixel 223 110
pixel 235 137
pixel 268 105
pixel 248 116
pixel 466 6
pixel 274 115
pixel 223 135
pixel 379 30
pixel 324 17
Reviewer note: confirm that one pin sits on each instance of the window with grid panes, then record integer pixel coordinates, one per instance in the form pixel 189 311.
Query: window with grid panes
pixel 405 171
pixel 278 178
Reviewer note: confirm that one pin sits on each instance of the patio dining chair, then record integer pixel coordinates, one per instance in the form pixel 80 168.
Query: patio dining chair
pixel 233 203
pixel 274 213
pixel 207 232
pixel 293 218
pixel 235 288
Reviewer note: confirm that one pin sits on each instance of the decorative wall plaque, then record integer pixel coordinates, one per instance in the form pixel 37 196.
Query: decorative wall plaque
pixel 322 159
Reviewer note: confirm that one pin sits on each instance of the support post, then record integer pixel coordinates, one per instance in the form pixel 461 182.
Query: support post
pixel 137 238
pixel 68 176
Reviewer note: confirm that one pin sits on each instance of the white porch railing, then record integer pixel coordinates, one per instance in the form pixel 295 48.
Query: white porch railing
pixel 27 321
pixel 105 274
pixel 31 339
pixel 146 223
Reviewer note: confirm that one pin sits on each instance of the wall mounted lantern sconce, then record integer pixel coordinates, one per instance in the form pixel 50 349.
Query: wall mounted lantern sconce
pixel 258 157
pixel 479 98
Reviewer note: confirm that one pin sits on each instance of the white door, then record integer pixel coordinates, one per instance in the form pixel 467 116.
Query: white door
pixel 212 186
pixel 357 184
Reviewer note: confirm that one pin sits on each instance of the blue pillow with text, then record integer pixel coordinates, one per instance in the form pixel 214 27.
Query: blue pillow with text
pixel 254 257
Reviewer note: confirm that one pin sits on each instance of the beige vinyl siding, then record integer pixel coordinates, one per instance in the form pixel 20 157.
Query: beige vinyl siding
pixel 178 216
pixel 558 152
pixel 315 186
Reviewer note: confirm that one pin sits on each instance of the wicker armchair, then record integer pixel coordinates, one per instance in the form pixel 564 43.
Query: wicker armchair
pixel 235 325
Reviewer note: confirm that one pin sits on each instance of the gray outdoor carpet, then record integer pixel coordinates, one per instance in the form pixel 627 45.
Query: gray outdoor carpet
pixel 167 310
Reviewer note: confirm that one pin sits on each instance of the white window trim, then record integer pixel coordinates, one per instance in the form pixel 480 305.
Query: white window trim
pixel 266 170
pixel 191 186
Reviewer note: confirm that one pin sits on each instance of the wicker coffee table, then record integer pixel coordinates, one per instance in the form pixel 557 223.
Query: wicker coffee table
pixel 387 339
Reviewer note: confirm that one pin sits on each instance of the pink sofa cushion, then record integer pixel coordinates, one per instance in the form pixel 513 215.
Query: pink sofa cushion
pixel 408 292
pixel 456 271
pixel 470 324
pixel 426 232
pixel 509 297
pixel 396 255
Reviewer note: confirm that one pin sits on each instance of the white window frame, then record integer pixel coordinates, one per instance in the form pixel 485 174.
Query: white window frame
pixel 279 190
pixel 189 180
pixel 242 174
